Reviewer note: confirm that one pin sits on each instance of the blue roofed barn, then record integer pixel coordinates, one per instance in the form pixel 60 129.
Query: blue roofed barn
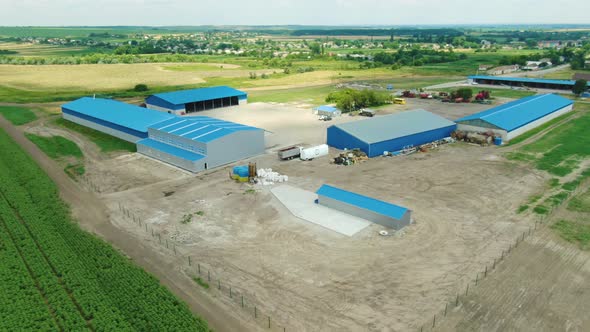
pixel 113 117
pixel 390 132
pixel 380 212
pixel 196 100
pixel 328 110
pixel 192 143
pixel 516 117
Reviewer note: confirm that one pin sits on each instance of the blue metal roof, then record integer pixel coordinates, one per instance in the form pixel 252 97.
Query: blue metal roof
pixel 523 80
pixel 363 202
pixel 172 150
pixel 116 112
pixel 326 108
pixel 196 95
pixel 200 128
pixel 518 113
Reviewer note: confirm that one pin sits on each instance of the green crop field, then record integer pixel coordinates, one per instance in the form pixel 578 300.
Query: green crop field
pixel 56 146
pixel 106 143
pixel 574 232
pixel 17 115
pixel 57 277
pixel 581 203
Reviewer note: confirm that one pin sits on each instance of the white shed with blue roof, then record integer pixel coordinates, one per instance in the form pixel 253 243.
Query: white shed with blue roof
pixel 328 110
pixel 377 211
pixel 517 117
pixel 196 100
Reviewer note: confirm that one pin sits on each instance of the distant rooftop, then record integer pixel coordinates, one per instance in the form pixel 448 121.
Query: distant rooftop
pixel 523 79
pixel 196 95
pixel 116 112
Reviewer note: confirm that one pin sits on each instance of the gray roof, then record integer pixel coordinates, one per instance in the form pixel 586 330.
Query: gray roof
pixel 387 127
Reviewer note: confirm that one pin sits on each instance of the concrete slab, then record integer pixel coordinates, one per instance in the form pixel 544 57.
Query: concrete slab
pixel 302 204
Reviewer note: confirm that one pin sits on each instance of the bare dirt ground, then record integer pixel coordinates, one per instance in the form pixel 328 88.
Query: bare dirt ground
pixel 541 286
pixel 308 278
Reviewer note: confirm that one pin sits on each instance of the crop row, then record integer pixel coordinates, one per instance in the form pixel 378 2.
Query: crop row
pixel 110 292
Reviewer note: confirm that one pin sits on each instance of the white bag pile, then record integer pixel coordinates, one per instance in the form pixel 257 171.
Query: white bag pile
pixel 267 177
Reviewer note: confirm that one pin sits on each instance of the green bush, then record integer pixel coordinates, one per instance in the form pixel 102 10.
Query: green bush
pixel 140 88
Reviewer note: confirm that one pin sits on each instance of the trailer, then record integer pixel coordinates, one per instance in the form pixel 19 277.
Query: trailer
pixel 289 153
pixel 314 152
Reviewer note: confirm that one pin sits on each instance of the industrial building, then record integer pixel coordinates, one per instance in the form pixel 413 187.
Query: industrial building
pixel 205 142
pixel 196 100
pixel 380 212
pixel 328 111
pixel 536 83
pixel 390 132
pixel 127 122
pixel 516 117
pixel 192 143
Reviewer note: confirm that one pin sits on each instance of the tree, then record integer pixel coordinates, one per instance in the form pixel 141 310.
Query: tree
pixel 579 87
pixel 140 88
pixel 465 93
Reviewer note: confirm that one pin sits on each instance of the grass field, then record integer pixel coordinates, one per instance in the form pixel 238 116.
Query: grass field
pixel 575 232
pixel 539 129
pixel 17 115
pixel 56 146
pixel 106 143
pixel 560 151
pixel 581 203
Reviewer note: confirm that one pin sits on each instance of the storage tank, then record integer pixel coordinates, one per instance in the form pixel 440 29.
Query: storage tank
pixel 498 140
pixel 314 152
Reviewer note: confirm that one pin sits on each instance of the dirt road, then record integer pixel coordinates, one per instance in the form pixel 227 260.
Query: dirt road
pixel 90 211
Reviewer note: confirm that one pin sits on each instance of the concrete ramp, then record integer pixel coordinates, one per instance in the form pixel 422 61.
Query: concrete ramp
pixel 302 204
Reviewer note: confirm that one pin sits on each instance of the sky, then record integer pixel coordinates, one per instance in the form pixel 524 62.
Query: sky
pixel 286 12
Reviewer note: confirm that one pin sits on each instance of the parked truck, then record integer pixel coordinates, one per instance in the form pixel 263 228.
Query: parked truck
pixel 314 152
pixel 290 153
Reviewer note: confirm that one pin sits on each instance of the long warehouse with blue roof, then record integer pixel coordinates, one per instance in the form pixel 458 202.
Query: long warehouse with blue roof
pixel 516 117
pixel 536 83
pixel 192 143
pixel 377 211
pixel 196 100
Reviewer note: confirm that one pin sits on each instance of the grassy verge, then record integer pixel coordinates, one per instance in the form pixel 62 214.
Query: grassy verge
pixel 539 129
pixel 574 232
pixel 201 282
pixel 106 143
pixel 56 146
pixel 580 203
pixel 17 115
pixel 561 150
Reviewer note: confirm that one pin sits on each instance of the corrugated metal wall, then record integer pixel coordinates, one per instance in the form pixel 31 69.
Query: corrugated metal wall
pixel 236 146
pixel 397 144
pixel 340 139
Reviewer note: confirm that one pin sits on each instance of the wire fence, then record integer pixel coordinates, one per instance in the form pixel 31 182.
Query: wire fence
pixel 490 267
pixel 205 278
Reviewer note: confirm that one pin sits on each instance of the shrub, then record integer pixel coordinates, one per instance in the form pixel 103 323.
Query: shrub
pixel 140 88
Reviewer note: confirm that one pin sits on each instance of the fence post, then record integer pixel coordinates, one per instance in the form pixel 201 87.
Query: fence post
pixel 199 268
pixel 219 284
pixel 159 239
pixel 457 301
pixel 494 266
pixel 174 249
pixel 242 301
pixel 230 292
pixel 433 321
pixel 166 243
pixel 269 322
pixel 485 273
pixel 255 312
pixel 189 260
pixel 467 290
pixel 209 275
pixel 446 305
pixel 476 278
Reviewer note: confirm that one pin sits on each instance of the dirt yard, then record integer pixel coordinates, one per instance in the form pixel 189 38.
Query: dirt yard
pixel 308 278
